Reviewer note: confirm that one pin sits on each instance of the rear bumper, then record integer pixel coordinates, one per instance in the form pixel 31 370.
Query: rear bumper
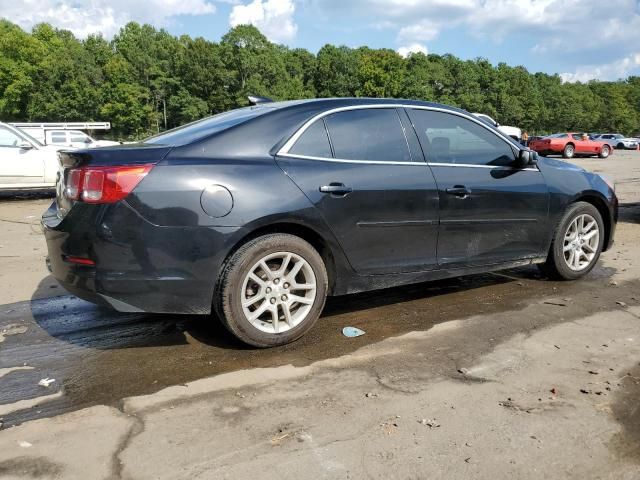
pixel 139 267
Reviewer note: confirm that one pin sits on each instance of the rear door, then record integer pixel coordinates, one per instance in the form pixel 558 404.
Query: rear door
pixel 18 165
pixel 375 192
pixel 490 211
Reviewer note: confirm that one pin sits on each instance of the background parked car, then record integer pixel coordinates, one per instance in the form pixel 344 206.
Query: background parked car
pixel 513 132
pixel 617 140
pixel 570 144
pixel 25 163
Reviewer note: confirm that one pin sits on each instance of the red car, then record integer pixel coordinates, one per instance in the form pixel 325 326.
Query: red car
pixel 569 145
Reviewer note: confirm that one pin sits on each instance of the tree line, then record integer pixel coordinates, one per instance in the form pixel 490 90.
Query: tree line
pixel 145 80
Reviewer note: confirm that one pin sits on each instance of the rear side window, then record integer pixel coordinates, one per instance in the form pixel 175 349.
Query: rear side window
pixel 78 137
pixel 58 137
pixel 373 134
pixel 448 138
pixel 314 142
pixel 200 129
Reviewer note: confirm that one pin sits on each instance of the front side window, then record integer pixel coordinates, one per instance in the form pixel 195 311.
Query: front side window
pixel 448 138
pixel 79 137
pixel 372 134
pixel 314 142
pixel 8 138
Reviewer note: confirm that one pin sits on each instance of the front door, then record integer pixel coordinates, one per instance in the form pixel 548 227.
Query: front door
pixel 18 165
pixel 375 193
pixel 583 146
pixel 490 211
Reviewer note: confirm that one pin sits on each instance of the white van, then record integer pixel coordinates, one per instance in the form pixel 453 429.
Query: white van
pixel 75 139
pixel 66 134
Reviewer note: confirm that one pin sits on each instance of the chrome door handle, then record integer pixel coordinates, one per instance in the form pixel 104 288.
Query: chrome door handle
pixel 459 191
pixel 336 189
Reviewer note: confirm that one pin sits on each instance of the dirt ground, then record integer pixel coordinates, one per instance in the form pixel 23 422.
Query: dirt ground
pixel 503 375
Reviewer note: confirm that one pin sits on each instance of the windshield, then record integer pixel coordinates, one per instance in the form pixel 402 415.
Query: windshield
pixel 207 126
pixel 25 135
pixel 557 135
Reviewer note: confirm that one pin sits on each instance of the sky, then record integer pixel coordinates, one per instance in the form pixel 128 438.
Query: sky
pixel 578 39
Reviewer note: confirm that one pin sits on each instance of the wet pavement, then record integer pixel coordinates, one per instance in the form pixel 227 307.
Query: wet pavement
pixel 98 356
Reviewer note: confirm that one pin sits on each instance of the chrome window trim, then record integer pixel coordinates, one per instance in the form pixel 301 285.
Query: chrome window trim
pixel 344 160
pixel 294 138
pixel 414 164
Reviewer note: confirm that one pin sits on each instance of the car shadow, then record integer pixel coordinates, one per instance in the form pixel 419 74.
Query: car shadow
pixel 629 212
pixel 70 319
pixel 18 195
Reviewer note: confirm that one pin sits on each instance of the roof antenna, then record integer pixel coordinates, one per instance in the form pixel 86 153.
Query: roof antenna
pixel 254 100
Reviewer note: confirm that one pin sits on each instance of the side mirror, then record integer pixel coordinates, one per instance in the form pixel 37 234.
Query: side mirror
pixel 527 158
pixel 87 140
pixel 25 146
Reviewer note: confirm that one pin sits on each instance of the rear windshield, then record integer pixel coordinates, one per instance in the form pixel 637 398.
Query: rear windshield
pixel 199 129
pixel 557 135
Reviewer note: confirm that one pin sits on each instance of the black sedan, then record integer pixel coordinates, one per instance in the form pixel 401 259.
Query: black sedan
pixel 259 213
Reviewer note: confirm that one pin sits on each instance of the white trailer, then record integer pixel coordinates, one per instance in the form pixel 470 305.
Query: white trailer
pixel 66 134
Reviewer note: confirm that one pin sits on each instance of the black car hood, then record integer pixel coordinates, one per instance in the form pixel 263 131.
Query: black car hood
pixel 554 163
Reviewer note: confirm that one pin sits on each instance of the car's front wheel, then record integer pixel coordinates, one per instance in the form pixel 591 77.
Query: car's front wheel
pixel 604 151
pixel 272 290
pixel 577 243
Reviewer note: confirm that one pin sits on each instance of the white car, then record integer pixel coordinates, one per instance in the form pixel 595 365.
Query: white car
pixel 25 163
pixel 513 132
pixel 75 139
pixel 618 141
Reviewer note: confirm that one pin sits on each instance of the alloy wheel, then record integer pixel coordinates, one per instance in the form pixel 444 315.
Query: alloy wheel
pixel 581 242
pixel 278 292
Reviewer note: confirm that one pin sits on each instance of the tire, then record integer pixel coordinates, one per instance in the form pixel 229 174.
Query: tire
pixel 558 261
pixel 273 291
pixel 604 151
pixel 620 146
pixel 569 151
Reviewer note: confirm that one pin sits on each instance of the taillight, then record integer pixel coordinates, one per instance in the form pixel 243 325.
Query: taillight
pixel 104 184
pixel 74 184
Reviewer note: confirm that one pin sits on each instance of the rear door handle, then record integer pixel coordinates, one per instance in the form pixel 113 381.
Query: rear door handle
pixel 336 189
pixel 459 191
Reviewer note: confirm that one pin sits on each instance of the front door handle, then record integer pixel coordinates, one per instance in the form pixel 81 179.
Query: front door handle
pixel 335 188
pixel 459 191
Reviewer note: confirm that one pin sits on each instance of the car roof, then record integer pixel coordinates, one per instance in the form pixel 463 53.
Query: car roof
pixel 286 113
pixel 346 101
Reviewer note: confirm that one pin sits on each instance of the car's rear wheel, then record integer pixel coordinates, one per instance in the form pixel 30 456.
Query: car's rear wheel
pixel 569 151
pixel 272 290
pixel 577 243
pixel 620 146
pixel 604 152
